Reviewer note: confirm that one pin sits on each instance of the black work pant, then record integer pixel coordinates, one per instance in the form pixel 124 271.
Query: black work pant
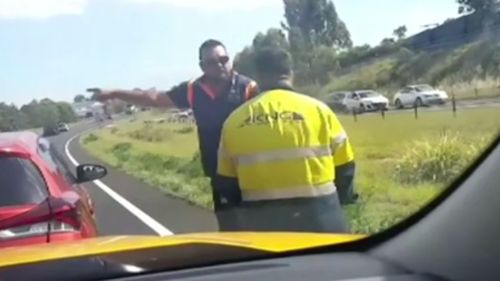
pixel 320 214
pixel 227 197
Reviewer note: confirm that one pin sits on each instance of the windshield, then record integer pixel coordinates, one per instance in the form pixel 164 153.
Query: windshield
pixel 368 94
pixel 242 116
pixel 423 88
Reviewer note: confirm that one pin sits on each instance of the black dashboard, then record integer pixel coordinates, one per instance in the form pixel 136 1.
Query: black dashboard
pixel 320 267
pixel 205 261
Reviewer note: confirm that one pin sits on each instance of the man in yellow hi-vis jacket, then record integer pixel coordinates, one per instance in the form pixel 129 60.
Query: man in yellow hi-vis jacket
pixel 284 149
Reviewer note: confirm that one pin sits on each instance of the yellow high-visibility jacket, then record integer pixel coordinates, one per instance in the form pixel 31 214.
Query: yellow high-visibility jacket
pixel 281 145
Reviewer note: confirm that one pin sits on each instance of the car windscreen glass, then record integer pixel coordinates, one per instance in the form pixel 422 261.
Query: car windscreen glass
pixel 367 94
pixel 422 88
pixel 20 182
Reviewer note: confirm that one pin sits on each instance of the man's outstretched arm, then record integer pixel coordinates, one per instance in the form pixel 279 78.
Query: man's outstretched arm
pixel 138 97
pixel 149 98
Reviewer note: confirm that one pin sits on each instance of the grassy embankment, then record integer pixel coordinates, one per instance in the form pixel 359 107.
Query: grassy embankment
pixel 403 162
pixel 470 71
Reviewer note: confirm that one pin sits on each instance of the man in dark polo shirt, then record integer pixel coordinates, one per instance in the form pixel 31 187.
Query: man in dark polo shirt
pixel 212 97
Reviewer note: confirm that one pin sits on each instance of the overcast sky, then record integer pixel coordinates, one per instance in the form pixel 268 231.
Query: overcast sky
pixel 58 48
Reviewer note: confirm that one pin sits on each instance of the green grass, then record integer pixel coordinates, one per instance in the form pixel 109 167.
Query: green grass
pixel 366 77
pixel 469 72
pixel 171 163
pixel 169 142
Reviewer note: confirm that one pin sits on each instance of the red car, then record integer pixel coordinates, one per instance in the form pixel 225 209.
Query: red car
pixel 41 201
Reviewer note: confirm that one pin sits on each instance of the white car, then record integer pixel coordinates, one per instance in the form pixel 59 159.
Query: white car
pixel 365 100
pixel 62 127
pixel 336 101
pixel 184 114
pixel 419 95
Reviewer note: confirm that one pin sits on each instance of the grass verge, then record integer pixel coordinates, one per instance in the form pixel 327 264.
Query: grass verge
pixel 165 155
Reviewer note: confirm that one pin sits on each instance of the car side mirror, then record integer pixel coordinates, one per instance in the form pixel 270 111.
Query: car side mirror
pixel 90 172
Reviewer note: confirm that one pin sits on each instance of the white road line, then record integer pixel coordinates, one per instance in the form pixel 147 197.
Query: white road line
pixel 142 216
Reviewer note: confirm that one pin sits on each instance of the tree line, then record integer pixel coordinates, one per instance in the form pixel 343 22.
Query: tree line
pixel 320 42
pixel 313 32
pixel 35 114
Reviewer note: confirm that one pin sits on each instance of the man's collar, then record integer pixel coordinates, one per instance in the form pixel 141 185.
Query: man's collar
pixel 279 85
pixel 234 74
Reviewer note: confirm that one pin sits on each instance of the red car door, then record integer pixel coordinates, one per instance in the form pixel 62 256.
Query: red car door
pixel 66 187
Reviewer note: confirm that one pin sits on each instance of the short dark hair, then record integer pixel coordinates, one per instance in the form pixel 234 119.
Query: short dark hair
pixel 273 61
pixel 209 44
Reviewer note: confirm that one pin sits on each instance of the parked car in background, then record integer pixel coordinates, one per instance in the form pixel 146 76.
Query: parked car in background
pixel 365 100
pixel 419 95
pixel 42 201
pixel 131 109
pixel 336 101
pixel 62 127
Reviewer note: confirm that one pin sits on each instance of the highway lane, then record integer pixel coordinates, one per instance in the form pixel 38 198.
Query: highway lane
pixel 124 205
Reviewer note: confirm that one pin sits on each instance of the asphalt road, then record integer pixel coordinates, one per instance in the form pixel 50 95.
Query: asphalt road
pixel 124 205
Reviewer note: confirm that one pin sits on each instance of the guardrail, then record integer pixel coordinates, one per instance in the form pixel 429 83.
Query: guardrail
pixel 416 110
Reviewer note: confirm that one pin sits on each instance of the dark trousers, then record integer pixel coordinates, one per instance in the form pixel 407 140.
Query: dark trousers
pixel 227 197
pixel 321 214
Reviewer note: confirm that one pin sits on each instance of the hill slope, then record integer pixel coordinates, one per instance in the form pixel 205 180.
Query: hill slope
pixel 461 56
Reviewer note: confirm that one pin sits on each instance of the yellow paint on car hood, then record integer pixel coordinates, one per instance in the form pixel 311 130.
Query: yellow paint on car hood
pixel 271 242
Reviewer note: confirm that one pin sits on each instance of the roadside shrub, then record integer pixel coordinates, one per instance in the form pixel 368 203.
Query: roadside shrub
pixel 185 130
pixel 437 160
pixel 122 151
pixel 193 168
pixel 158 163
pixel 150 134
pixel 196 156
pixel 90 138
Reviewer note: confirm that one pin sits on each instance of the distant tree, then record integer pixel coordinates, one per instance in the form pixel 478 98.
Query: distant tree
pixel 43 113
pixel 387 41
pixel 317 22
pixel 79 98
pixel 12 119
pixel 324 63
pixel 272 37
pixel 354 55
pixel 66 112
pixel 400 32
pixel 49 113
pixel 309 25
pixel 243 61
pixel 471 6
pixel 31 111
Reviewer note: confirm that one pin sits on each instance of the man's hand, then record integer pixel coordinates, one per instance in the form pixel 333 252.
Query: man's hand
pixel 99 94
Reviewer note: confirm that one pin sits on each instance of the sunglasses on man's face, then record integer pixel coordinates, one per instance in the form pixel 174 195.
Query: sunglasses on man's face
pixel 213 62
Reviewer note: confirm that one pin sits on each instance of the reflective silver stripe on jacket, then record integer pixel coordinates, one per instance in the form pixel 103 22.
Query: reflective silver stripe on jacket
pixel 285 154
pixel 338 142
pixel 305 191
